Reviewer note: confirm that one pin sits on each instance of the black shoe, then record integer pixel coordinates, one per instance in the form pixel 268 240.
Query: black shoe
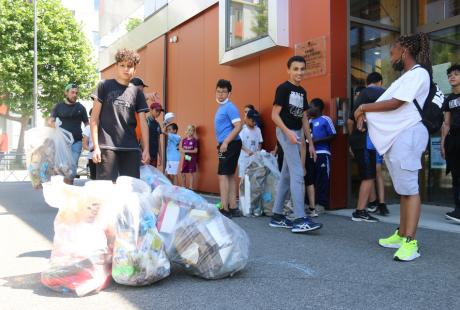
pixel 372 206
pixel 363 216
pixel 235 212
pixel 454 216
pixel 383 210
pixel 226 213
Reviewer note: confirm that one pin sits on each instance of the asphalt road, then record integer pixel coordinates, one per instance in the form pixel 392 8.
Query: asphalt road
pixel 338 267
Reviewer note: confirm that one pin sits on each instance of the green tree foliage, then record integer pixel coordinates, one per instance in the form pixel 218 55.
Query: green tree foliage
pixel 260 24
pixel 64 56
pixel 133 23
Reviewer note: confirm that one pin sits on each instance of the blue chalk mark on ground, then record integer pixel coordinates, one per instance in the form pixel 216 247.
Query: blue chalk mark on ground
pixel 289 264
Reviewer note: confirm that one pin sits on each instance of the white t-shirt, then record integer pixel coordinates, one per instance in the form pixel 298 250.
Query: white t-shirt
pixel 251 138
pixel 87 133
pixel 385 127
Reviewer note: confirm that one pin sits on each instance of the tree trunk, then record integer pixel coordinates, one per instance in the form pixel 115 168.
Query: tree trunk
pixel 20 149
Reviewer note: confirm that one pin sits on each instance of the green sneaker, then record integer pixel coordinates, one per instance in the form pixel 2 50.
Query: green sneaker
pixel 408 251
pixel 393 242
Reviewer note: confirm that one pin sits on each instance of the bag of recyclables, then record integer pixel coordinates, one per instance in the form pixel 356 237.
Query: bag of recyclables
pixel 153 177
pixel 81 255
pixel 139 256
pixel 48 153
pixel 198 238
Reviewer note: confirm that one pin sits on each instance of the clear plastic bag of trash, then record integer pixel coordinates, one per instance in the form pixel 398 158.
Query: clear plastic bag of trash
pixel 48 153
pixel 139 256
pixel 197 236
pixel 153 177
pixel 210 248
pixel 81 257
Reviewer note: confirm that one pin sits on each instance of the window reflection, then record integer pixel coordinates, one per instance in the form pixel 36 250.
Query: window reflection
pixel 248 20
pixel 387 12
pixel 370 51
pixel 430 11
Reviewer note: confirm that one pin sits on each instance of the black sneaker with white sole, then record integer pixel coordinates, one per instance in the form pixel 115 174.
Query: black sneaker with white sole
pixel 363 216
pixel 372 206
pixel 453 216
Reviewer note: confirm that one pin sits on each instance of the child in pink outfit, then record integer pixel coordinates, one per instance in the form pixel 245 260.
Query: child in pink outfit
pixel 189 147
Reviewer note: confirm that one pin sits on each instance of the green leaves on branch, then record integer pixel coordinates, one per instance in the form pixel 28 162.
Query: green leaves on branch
pixel 64 54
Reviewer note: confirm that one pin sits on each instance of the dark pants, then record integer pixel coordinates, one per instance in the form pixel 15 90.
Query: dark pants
pixel 453 164
pixel 118 163
pixel 318 174
pixel 92 169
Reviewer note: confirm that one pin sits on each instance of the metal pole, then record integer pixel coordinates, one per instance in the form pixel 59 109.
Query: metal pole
pixel 35 95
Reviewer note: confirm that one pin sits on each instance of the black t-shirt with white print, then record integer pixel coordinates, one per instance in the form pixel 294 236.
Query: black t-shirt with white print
pixel 117 120
pixel 452 104
pixel 293 100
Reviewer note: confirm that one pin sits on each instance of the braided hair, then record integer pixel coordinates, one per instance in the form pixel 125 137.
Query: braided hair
pixel 418 46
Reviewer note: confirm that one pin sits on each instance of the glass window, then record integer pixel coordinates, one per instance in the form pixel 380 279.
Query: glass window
pixel 387 12
pixel 370 51
pixel 445 50
pixel 247 21
pixel 431 11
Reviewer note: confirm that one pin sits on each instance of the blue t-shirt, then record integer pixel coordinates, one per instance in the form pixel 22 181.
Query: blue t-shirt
pixel 172 149
pixel 322 127
pixel 226 115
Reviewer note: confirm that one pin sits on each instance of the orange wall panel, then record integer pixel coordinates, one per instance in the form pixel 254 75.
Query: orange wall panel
pixel 193 69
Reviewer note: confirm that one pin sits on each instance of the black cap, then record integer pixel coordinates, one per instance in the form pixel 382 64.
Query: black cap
pixel 137 81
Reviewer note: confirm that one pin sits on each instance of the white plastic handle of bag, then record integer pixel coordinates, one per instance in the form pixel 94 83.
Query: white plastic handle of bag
pixel 67 134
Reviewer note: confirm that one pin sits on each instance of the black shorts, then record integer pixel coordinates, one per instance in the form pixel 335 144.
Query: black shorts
pixel 118 163
pixel 229 159
pixel 366 163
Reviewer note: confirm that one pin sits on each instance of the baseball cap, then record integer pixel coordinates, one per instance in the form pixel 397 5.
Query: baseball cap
pixel 70 86
pixel 137 81
pixel 169 117
pixel 156 106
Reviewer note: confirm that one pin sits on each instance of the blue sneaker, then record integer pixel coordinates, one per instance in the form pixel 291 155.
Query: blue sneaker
pixel 304 224
pixel 279 220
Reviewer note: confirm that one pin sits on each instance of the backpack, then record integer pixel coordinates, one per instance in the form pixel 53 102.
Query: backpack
pixel 432 115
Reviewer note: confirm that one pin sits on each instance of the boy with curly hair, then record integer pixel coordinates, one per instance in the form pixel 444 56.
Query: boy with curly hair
pixel 113 122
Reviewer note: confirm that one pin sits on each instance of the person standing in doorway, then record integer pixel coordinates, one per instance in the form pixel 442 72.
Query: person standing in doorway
pixel 72 114
pixel 113 122
pixel 450 138
pixel 289 113
pixel 227 126
pixel 364 152
pixel 396 129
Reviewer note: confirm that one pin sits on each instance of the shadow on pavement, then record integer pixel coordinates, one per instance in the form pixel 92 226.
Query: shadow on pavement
pixel 29 282
pixel 44 254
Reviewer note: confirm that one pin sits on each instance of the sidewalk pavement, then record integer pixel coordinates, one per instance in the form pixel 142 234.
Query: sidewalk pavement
pixel 338 267
pixel 432 217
